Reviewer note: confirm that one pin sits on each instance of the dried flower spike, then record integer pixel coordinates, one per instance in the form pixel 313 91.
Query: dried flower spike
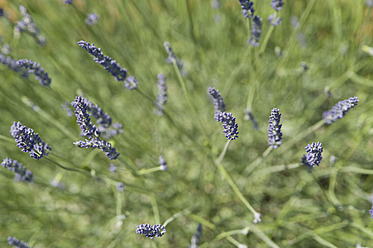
pixel 151 231
pixel 162 95
pixel 17 244
pixel 274 129
pixel 256 31
pixel 29 141
pixel 229 124
pixel 313 156
pixel 339 110
pixel 21 172
pixel 247 7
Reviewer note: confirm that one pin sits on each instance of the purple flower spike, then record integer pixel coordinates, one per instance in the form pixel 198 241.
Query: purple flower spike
pixel 229 124
pixel 217 99
pixel 277 4
pixel 82 106
pixel 273 20
pixel 256 31
pixel 91 19
pixel 274 129
pixel 16 243
pixel 29 141
pixel 151 231
pixel 313 156
pixel 162 163
pixel 247 7
pixel 339 110
pixel 34 68
pixel 162 95
pixel 21 172
pixel 110 65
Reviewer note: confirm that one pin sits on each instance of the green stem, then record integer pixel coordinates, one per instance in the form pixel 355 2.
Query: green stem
pixel 186 94
pixel 150 170
pixel 251 167
pixel 177 215
pixel 266 39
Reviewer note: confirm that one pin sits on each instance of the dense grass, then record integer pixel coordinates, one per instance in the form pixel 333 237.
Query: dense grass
pixel 326 208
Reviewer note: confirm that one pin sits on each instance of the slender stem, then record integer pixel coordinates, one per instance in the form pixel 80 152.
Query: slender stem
pixel 177 215
pixel 67 168
pixel 150 170
pixel 186 94
pixel 257 161
pixel 303 134
pixel 266 39
pixel 155 209
pixel 222 154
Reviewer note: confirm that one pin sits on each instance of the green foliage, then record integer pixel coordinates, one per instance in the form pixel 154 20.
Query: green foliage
pixel 326 208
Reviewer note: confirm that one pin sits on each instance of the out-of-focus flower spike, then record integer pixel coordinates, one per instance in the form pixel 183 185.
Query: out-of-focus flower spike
pixel 256 31
pixel 339 110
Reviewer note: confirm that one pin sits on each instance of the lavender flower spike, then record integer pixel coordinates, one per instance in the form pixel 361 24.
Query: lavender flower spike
pixel 256 31
pixel 274 129
pixel 110 65
pixel 34 68
pixel 89 130
pixel 273 20
pixel 29 141
pixel 277 4
pixel 16 243
pixel 162 163
pixel 313 156
pixel 229 124
pixel 339 110
pixel 27 24
pixel 151 231
pixel 21 172
pixel 217 99
pixel 196 237
pixel 162 95
pixel 247 7
pixel 91 19
pixel 68 1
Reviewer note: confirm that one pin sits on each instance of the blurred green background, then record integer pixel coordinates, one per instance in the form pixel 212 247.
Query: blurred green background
pixel 326 208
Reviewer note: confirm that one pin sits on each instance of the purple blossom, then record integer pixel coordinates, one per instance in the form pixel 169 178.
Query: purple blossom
pixel 151 231
pixel 256 31
pixel 274 129
pixel 34 68
pixel 113 168
pixel 29 141
pixel 21 172
pixel 131 83
pixel 162 95
pixel 1 12
pixel 217 99
pixel 91 19
pixel 247 7
pixel 27 24
pixel 162 163
pixel 110 65
pixel 17 244
pixel 229 124
pixel 249 116
pixel 339 110
pixel 89 130
pixel 313 156
pixel 371 212
pixel 120 187
pixel 273 20
pixel 196 237
pixel 172 57
pixel 277 4
pixel 68 1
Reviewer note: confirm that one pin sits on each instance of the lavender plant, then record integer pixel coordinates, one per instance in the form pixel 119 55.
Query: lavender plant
pixel 162 95
pixel 29 141
pixel 16 243
pixel 274 129
pixel 313 156
pixel 21 172
pixel 256 31
pixel 151 231
pixel 339 110
pixel 91 19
